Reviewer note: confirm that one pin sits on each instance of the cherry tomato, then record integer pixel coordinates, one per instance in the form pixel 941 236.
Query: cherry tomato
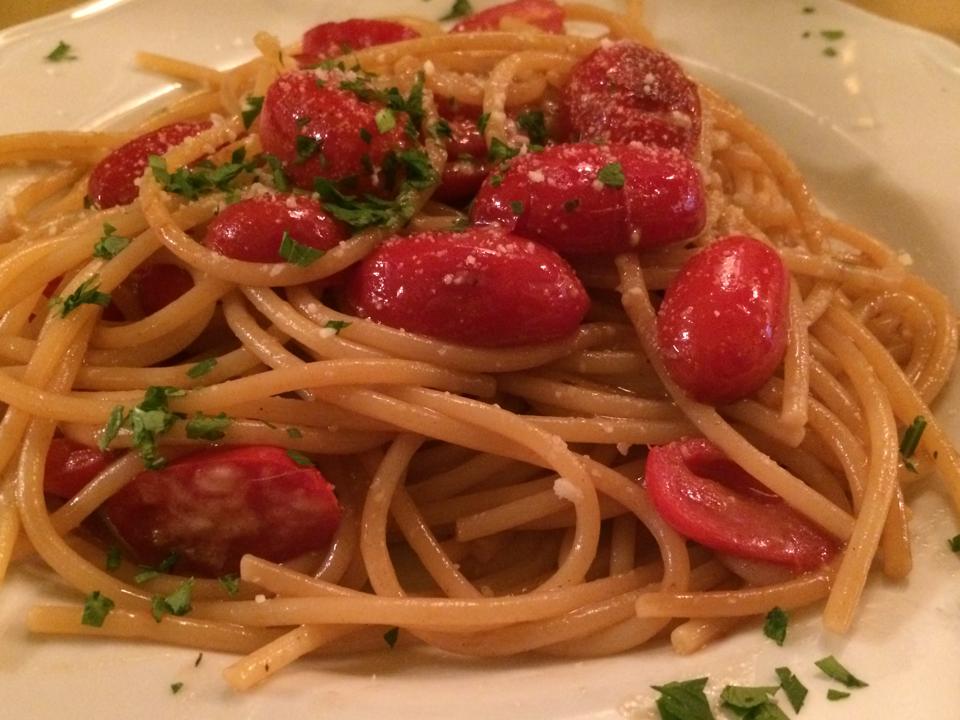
pixel 336 38
pixel 460 181
pixel 544 14
pixel 706 497
pixel 626 91
pixel 586 199
pixel 113 180
pixel 70 466
pixel 253 229
pixel 466 153
pixel 481 287
pixel 214 506
pixel 318 129
pixel 160 284
pixel 722 326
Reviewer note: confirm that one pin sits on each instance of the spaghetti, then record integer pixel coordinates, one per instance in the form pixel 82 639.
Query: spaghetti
pixel 492 498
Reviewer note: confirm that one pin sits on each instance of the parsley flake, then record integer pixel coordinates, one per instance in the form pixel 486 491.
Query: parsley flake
pixel 114 557
pixel 306 148
pixel 176 603
pixel 442 129
pixel 208 427
pixel 775 625
pixel 795 690
pixel 830 51
pixel 280 180
pixel 833 694
pixel 109 245
pixel 954 543
pixel 112 428
pixel 517 207
pixel 149 573
pixel 459 9
pixel 200 179
pixel 86 294
pixel 832 34
pixel 297 253
pixel 748 699
pixel 62 52
pixel 360 213
pixel 146 421
pixel 252 107
pixel 337 325
pixel 571 205
pixel 294 433
pixel 366 136
pixel 390 636
pixel 832 667
pixel 385 120
pixel 95 609
pixel 299 458
pixel 230 583
pixel 176 687
pixel 611 175
pixel 500 151
pixel 911 440
pixel 532 122
pixel 202 368
pixel 482 122
pixel 684 700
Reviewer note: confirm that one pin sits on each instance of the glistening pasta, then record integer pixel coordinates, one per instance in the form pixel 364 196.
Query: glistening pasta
pixel 491 497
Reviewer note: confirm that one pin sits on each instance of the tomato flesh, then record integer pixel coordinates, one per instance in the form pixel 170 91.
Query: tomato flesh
pixel 709 499
pixel 336 38
pixel 70 466
pixel 216 505
pixel 113 180
pixel 628 92
pixel 722 326
pixel 481 287
pixel 557 197
pixel 544 14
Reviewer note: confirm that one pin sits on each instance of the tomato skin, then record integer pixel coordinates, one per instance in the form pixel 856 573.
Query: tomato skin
pixel 626 92
pixel 253 229
pixel 295 106
pixel 331 39
pixel 112 181
pixel 706 497
pixel 460 181
pixel 482 287
pixel 544 14
pixel 563 204
pixel 722 326
pixel 160 284
pixel 214 506
pixel 70 466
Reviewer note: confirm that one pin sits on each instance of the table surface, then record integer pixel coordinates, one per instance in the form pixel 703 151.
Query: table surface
pixel 939 16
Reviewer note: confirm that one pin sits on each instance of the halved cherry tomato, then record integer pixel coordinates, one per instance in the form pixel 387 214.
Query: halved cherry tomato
pixel 70 466
pixel 318 129
pixel 253 229
pixel 722 326
pixel 330 39
pixel 214 506
pixel 113 180
pixel 586 199
pixel 627 91
pixel 481 287
pixel 544 14
pixel 704 496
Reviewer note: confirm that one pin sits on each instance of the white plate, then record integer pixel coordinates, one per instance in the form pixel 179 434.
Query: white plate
pixel 874 129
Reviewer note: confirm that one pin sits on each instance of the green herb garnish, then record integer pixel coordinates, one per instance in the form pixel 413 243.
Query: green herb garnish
pixel 517 207
pixel 532 122
pixel 832 667
pixel 795 690
pixel 176 687
pixel 832 34
pixel 911 440
pixel 299 458
pixel 109 245
pixel 297 253
pixel 482 122
pixel 114 557
pixel 833 694
pixel 202 368
pixel 611 175
pixel 390 636
pixel 459 9
pixel 230 583
pixel 954 543
pixel 61 52
pixel 385 120
pixel 95 609
pixel 684 700
pixel 207 427
pixel 500 151
pixel 86 294
pixel 775 625
pixel 252 107
pixel 149 573
pixel 337 325
pixel 176 603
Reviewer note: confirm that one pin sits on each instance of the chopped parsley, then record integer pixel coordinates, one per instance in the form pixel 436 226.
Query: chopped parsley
pixel 571 205
pixel 482 122
pixel 62 52
pixel 230 583
pixel 795 690
pixel 500 151
pixel 176 603
pixel 533 124
pixel 832 667
pixel 86 294
pixel 294 433
pixel 280 180
pixel 611 175
pixel 299 458
pixel 954 543
pixel 366 136
pixel 755 703
pixel 459 9
pixel 109 245
pixel 442 129
pixel 412 104
pixel 176 687
pixel 202 178
pixel 149 573
pixel 496 180
pixel 775 625
pixel 832 34
pixel 390 636
pixel 911 441
pixel 114 557
pixel 337 325
pixel 202 368
pixel 95 609
pixel 833 694
pixel 385 120
pixel 114 423
pixel 297 253
pixel 306 148
pixel 684 700
pixel 251 110
pixel 365 212
pixel 517 207
pixel 830 51
pixel 208 427
pixel 146 421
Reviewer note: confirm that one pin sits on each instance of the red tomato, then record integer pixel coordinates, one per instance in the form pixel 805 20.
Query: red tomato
pixel 481 287
pixel 112 181
pixel 253 229
pixel 722 326
pixel 333 124
pixel 216 505
pixel 704 496
pixel 565 198
pixel 466 154
pixel 70 466
pixel 160 284
pixel 544 14
pixel 626 91
pixel 460 181
pixel 336 38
